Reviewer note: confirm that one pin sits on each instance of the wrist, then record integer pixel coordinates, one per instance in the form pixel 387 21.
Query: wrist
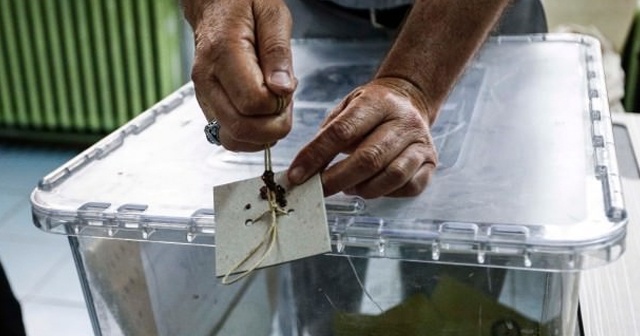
pixel 427 107
pixel 193 11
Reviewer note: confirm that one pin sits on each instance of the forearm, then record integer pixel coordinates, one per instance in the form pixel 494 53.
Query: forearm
pixel 436 42
pixel 192 10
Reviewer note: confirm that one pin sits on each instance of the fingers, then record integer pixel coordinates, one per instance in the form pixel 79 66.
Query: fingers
pixel 238 132
pixel 227 74
pixel 372 158
pixel 239 74
pixel 228 142
pixel 388 139
pixel 406 176
pixel 354 124
pixel 416 184
pixel 224 52
pixel 258 66
pixel 273 33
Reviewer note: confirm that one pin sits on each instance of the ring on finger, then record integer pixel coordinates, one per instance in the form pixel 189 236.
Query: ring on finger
pixel 212 132
pixel 280 104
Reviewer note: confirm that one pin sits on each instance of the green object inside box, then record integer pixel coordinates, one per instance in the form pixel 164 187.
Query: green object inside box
pixel 453 309
pixel 84 67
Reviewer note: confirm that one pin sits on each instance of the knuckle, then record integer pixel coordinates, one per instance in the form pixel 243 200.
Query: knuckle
pixel 390 97
pixel 342 130
pixel 420 133
pixel 204 103
pixel 370 157
pixel 207 58
pixel 432 159
pixel 397 171
pixel 413 120
pixel 278 13
pixel 275 47
pixel 430 155
pixel 425 154
pixel 198 71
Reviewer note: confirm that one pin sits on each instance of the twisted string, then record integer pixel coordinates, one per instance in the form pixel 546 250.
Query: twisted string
pixel 270 236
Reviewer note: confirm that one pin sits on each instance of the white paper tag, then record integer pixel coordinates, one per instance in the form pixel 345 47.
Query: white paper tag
pixel 301 233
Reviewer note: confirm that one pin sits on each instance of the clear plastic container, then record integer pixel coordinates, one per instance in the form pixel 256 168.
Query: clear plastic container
pixel 527 194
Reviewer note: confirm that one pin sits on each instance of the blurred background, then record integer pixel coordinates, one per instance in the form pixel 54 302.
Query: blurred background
pixel 73 71
pixel 70 73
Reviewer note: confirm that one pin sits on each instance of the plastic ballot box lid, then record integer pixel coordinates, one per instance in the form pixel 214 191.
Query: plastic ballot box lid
pixel 527 175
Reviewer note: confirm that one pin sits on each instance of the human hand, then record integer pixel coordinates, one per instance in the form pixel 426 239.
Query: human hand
pixel 242 64
pixel 384 127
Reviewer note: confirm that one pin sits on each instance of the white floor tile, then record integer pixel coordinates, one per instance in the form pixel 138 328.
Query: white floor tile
pixel 8 203
pixel 42 319
pixel 28 264
pixel 39 265
pixel 62 285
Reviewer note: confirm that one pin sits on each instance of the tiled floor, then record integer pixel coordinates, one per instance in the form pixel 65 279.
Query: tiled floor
pixel 39 265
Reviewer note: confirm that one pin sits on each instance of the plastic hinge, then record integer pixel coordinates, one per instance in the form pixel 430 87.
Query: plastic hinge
pixel 362 227
pixel 520 39
pixel 613 188
pixel 129 215
pixel 61 174
pixel 170 103
pixel 606 167
pixel 589 41
pixel 115 140
pixel 203 221
pixel 345 205
pixel 144 122
pixel 585 40
pixel 597 132
pixel 92 214
pixel 109 146
pixel 511 232
pixel 596 107
pixel 458 229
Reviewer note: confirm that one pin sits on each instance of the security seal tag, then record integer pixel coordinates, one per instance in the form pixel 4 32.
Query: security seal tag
pixel 251 234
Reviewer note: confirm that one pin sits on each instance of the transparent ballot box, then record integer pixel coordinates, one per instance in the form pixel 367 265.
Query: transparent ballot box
pixel 526 195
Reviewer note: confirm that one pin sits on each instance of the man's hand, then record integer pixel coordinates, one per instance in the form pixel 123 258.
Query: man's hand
pixel 242 63
pixel 384 128
pixel 384 125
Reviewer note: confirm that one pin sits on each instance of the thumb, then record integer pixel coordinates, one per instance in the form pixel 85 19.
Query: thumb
pixel 273 33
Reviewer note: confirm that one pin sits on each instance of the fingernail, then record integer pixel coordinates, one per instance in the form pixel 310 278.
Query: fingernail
pixel 280 78
pixel 296 174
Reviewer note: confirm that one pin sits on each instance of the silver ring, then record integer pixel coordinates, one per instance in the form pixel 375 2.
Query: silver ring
pixel 212 132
